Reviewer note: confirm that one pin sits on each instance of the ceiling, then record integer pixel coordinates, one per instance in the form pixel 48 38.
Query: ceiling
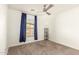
pixel 38 8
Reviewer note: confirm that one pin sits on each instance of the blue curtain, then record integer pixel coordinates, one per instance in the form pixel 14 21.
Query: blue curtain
pixel 23 28
pixel 35 29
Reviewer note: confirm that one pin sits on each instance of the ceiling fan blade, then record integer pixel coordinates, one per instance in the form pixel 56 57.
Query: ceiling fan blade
pixel 48 13
pixel 48 7
pixel 44 7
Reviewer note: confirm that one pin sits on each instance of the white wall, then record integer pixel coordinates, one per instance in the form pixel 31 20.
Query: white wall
pixel 45 23
pixel 66 29
pixel 3 29
pixel 14 18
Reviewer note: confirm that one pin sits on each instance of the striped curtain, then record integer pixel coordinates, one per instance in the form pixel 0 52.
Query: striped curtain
pixel 23 28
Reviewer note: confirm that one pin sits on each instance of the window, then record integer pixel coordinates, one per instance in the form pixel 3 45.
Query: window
pixel 30 26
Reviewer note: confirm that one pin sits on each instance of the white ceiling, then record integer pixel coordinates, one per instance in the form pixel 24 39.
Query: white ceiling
pixel 39 8
pixel 27 8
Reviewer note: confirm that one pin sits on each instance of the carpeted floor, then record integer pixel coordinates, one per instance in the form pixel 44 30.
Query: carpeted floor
pixel 44 47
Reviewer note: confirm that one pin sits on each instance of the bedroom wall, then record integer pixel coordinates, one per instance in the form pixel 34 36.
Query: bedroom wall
pixel 66 28
pixel 3 29
pixel 14 18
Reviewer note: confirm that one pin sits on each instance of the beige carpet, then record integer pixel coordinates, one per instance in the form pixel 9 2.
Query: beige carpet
pixel 44 47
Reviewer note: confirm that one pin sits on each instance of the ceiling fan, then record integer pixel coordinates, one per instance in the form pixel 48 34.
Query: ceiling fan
pixel 46 7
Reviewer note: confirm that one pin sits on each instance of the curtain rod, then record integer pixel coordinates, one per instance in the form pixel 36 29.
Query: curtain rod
pixel 23 11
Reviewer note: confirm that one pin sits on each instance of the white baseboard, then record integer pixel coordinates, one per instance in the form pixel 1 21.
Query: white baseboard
pixel 64 44
pixel 24 43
